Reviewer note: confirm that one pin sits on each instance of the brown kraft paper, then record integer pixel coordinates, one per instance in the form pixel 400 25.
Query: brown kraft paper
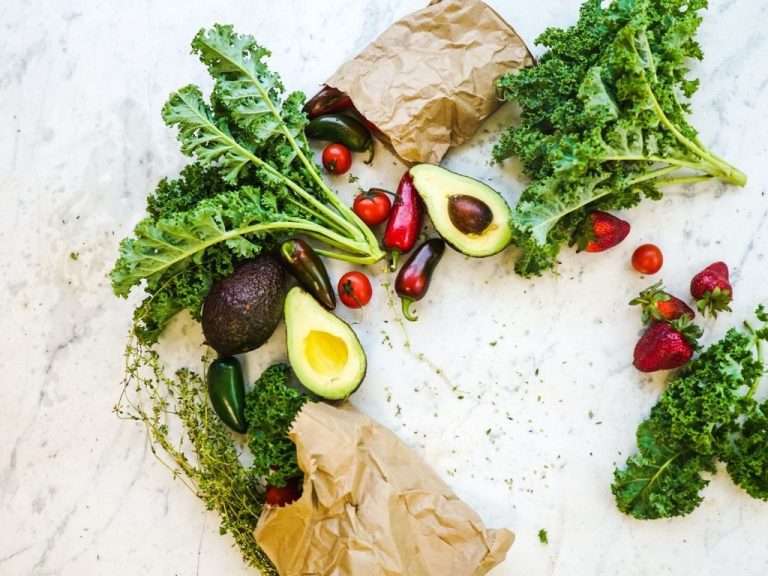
pixel 371 507
pixel 428 82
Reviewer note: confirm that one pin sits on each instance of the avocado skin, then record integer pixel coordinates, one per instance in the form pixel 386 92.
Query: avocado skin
pixel 242 310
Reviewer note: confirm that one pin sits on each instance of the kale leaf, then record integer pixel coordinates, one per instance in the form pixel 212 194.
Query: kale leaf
pixel 604 120
pixel 271 408
pixel 707 413
pixel 253 180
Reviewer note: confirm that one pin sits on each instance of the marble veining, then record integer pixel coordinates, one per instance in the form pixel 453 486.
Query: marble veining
pixel 520 393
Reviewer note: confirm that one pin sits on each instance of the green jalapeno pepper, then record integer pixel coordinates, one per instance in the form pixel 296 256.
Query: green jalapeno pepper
pixel 226 389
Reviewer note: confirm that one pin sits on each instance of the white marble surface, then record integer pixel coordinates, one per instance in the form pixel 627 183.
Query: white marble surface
pixel 535 397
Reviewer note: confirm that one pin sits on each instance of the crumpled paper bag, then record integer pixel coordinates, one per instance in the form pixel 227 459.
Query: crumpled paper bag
pixel 428 82
pixel 371 507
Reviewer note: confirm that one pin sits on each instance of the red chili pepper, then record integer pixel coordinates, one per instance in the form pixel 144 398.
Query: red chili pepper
pixel 405 220
pixel 327 101
pixel 414 277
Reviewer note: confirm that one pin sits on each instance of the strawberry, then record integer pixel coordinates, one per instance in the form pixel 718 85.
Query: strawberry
pixel 601 231
pixel 657 304
pixel 712 289
pixel 666 345
pixel 283 495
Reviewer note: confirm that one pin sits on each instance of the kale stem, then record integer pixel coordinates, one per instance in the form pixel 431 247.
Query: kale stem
pixel 684 180
pixel 363 260
pixel 653 174
pixel 639 158
pixel 729 173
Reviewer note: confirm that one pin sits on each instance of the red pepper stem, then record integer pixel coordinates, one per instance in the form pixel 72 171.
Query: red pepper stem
pixel 394 256
pixel 407 312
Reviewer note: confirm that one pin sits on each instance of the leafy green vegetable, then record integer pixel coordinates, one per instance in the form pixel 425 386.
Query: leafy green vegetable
pixel 271 408
pixel 253 180
pixel 604 120
pixel 188 438
pixel 543 536
pixel 706 413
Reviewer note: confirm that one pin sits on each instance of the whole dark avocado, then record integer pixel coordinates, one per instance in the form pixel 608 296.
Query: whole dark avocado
pixel 242 310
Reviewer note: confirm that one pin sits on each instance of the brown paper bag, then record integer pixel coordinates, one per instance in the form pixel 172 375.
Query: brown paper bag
pixel 371 507
pixel 428 82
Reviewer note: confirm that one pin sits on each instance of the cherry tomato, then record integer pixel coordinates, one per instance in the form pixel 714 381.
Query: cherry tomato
pixel 337 158
pixel 372 207
pixel 648 259
pixel 355 289
pixel 283 495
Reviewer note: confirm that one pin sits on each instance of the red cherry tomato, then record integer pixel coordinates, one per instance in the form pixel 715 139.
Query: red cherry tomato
pixel 283 495
pixel 648 259
pixel 337 158
pixel 372 207
pixel 355 289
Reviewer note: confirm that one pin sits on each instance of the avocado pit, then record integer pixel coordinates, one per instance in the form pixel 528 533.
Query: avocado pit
pixel 468 214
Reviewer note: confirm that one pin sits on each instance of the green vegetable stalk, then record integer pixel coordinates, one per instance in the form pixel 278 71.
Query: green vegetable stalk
pixel 605 120
pixel 189 439
pixel 254 179
pixel 707 413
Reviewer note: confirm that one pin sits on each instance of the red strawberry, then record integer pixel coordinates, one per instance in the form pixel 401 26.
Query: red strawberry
pixel 712 289
pixel 283 495
pixel 658 304
pixel 602 231
pixel 666 345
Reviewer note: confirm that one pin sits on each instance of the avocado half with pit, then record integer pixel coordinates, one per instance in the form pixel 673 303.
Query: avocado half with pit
pixel 471 216
pixel 323 350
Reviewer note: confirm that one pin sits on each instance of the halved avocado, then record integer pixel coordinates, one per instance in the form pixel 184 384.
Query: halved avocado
pixel 471 216
pixel 323 350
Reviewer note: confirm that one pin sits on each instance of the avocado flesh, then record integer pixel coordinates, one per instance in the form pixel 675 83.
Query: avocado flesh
pixel 437 185
pixel 323 350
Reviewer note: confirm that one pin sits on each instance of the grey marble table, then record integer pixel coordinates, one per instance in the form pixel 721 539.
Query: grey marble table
pixel 520 393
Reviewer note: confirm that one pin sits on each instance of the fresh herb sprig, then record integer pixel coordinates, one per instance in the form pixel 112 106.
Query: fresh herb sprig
pixel 189 439
pixel 254 179
pixel 707 413
pixel 605 120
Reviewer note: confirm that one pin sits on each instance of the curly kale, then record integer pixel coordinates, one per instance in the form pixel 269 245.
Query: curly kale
pixel 253 180
pixel 271 408
pixel 604 120
pixel 707 413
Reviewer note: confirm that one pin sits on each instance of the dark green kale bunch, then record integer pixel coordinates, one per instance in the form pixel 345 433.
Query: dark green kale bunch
pixel 253 180
pixel 707 413
pixel 271 408
pixel 605 120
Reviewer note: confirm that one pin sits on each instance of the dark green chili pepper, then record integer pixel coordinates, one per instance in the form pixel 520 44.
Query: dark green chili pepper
pixel 307 267
pixel 341 129
pixel 226 389
pixel 414 277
